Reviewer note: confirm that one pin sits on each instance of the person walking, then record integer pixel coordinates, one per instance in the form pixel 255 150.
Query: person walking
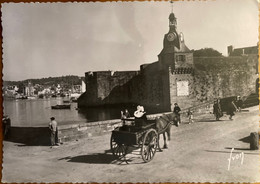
pixel 231 109
pixel 177 110
pixel 217 110
pixel 239 103
pixel 53 126
pixel 6 126
pixel 190 116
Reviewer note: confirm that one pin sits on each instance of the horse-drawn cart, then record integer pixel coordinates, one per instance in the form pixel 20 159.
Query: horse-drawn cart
pixel 144 136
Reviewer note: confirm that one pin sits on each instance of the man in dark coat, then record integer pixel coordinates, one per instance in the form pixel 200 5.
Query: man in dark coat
pixel 231 109
pixel 177 110
pixel 239 103
pixel 217 110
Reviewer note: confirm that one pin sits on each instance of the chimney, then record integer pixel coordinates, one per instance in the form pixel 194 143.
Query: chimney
pixel 230 49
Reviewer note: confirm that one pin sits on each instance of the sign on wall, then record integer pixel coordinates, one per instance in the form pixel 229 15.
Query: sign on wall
pixel 182 88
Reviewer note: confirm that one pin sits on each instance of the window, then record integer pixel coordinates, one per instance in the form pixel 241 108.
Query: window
pixel 180 58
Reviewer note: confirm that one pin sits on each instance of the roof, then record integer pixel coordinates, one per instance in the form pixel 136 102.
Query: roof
pixel 244 50
pixel 172 48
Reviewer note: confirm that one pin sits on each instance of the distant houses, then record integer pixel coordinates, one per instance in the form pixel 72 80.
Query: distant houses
pixel 37 90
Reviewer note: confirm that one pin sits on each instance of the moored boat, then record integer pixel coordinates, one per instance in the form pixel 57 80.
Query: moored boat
pixel 65 106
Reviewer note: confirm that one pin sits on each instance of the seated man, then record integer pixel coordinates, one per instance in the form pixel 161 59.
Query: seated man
pixel 124 115
pixel 140 116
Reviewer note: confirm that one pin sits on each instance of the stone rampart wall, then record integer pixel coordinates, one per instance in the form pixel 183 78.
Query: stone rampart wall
pixel 213 77
pixel 229 76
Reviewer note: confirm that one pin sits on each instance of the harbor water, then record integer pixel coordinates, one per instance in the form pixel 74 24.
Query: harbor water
pixel 37 112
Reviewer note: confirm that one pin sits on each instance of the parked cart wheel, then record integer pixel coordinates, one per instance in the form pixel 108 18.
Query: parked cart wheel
pixel 149 145
pixel 118 149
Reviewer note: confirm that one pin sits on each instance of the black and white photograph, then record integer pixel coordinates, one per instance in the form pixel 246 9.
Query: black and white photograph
pixel 152 91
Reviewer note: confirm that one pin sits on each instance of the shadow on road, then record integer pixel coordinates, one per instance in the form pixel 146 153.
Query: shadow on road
pixel 241 149
pixel 102 158
pixel 97 158
pixel 246 139
pixel 228 152
pixel 207 120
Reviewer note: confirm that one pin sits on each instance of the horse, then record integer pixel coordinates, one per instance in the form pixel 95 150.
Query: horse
pixel 164 124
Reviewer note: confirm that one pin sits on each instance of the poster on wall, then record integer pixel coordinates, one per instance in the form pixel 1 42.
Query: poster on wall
pixel 182 88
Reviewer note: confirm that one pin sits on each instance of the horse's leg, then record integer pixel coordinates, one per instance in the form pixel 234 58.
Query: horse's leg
pixel 164 139
pixel 169 132
pixel 159 148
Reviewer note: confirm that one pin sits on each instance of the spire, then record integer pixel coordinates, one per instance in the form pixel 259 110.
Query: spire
pixel 171 6
pixel 172 18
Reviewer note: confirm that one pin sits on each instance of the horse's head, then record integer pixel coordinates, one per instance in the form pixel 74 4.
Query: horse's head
pixel 172 117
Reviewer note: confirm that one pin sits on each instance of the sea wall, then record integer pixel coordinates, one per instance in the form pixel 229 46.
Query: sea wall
pixel 82 130
pixel 40 136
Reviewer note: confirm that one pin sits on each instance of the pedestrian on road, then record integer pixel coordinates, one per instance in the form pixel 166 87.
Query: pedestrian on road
pixel 238 103
pixel 6 125
pixel 190 116
pixel 231 109
pixel 177 110
pixel 217 110
pixel 53 126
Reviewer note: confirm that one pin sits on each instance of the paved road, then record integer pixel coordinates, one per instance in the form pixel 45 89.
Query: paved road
pixel 198 152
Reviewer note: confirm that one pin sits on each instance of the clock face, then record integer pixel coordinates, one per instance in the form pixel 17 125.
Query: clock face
pixel 171 36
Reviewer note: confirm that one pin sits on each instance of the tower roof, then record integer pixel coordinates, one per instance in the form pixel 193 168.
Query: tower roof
pixel 172 17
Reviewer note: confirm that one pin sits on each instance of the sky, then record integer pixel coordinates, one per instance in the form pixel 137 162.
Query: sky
pixel 57 39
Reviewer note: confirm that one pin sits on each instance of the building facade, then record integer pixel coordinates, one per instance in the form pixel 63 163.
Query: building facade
pixel 177 77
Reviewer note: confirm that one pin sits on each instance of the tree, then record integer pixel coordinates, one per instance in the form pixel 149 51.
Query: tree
pixel 206 52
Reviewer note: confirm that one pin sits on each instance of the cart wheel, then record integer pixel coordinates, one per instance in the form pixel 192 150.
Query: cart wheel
pixel 149 145
pixel 118 149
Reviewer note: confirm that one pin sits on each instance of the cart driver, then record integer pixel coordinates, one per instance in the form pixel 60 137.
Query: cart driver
pixel 140 116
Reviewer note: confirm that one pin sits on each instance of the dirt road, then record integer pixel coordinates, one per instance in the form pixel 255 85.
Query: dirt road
pixel 198 152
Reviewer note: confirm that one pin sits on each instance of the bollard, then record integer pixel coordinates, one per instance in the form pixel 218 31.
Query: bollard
pixel 254 141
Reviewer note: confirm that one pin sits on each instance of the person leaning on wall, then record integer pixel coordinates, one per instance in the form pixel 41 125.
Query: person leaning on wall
pixel 53 126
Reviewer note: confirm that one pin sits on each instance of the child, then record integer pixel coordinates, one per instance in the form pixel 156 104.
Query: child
pixel 190 116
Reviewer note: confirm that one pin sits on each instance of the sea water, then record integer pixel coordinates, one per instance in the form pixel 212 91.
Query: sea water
pixel 37 112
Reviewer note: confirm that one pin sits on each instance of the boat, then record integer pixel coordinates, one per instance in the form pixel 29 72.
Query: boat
pixel 74 99
pixel 65 106
pixel 22 97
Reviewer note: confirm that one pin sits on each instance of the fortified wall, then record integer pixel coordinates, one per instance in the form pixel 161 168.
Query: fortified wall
pixel 177 77
pixel 106 88
pixel 225 76
pixel 212 77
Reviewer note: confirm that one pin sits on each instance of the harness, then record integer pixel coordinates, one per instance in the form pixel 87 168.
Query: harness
pixel 167 125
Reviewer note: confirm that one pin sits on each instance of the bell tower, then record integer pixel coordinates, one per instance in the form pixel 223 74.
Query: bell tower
pixel 175 68
pixel 175 53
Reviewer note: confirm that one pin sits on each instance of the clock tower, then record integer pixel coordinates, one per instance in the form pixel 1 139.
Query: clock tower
pixel 175 69
pixel 174 53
